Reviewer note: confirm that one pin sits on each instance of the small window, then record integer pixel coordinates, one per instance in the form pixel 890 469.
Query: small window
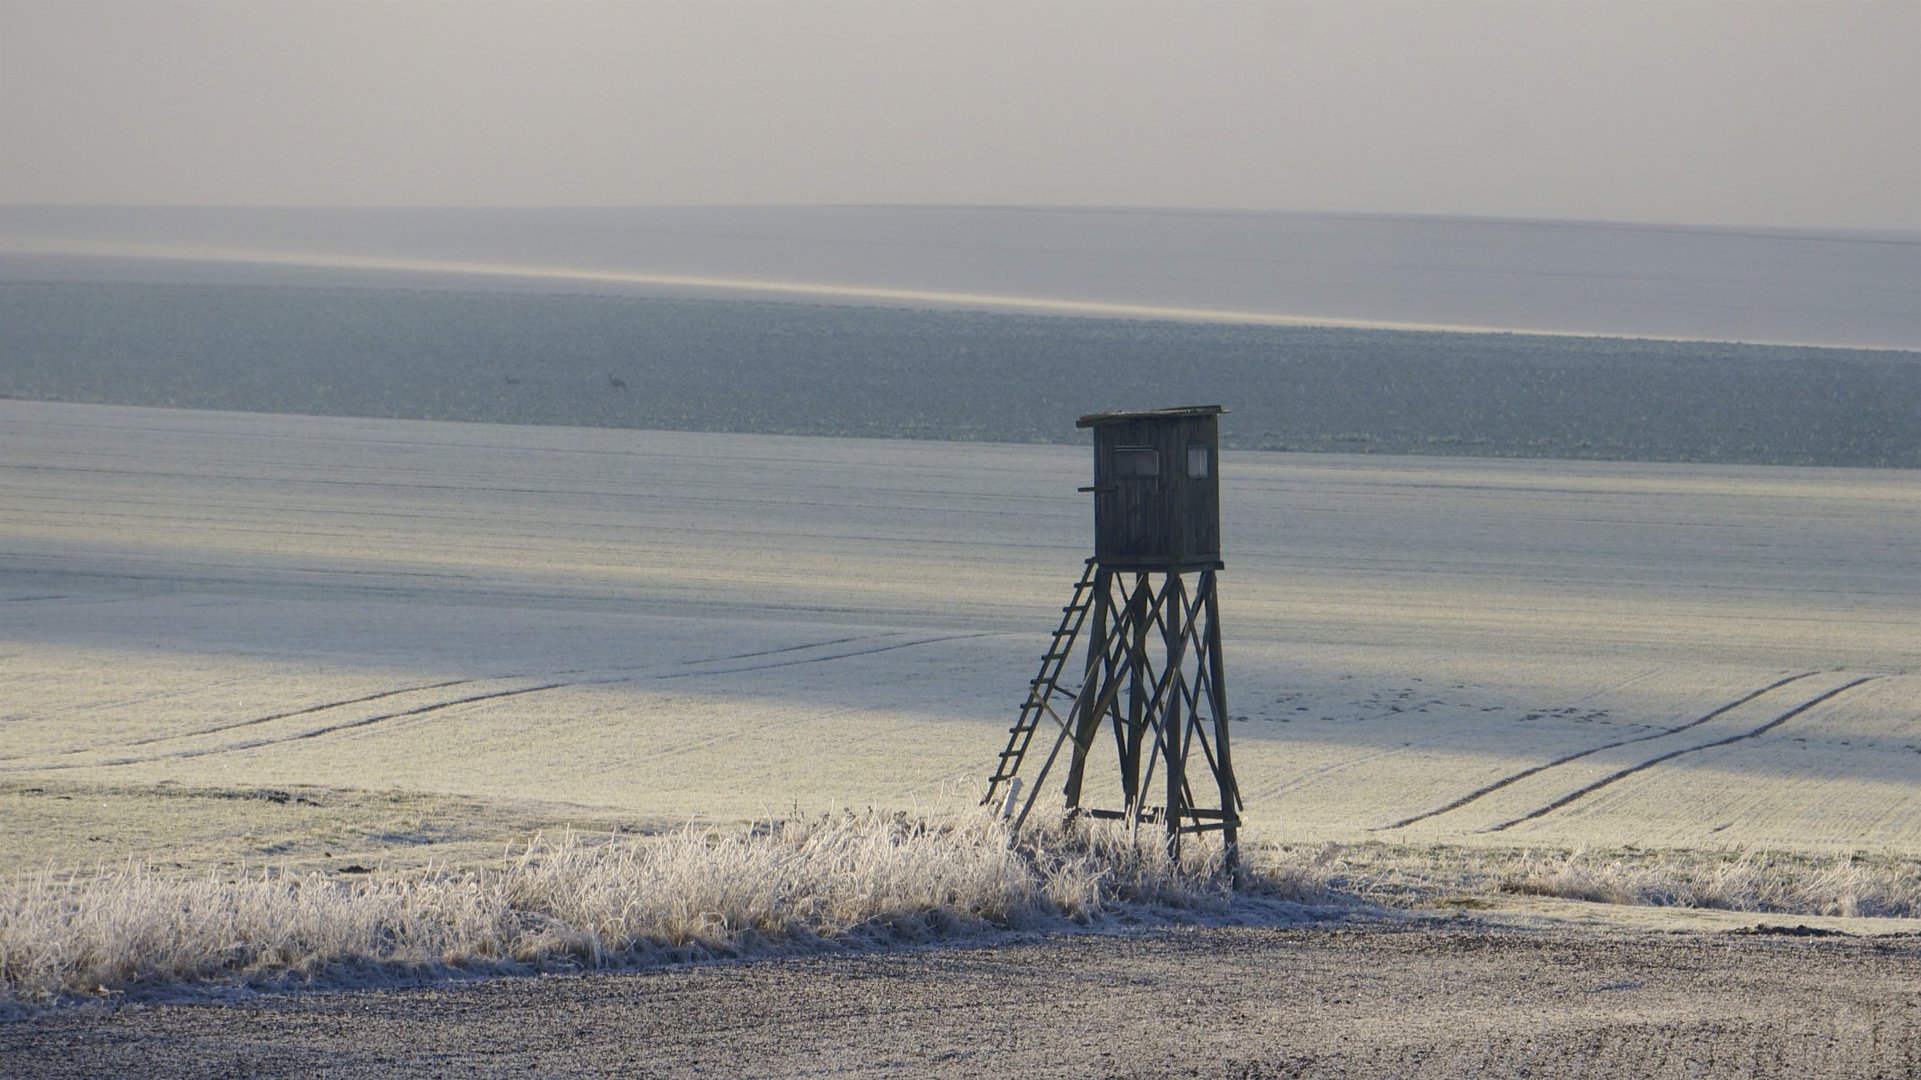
pixel 1136 461
pixel 1197 462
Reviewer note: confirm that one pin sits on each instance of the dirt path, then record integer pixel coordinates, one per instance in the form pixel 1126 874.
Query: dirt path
pixel 1425 1001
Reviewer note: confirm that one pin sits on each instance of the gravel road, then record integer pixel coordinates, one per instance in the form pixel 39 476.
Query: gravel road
pixel 1423 1000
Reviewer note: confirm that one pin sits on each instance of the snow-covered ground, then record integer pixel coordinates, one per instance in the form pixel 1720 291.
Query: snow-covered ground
pixel 441 632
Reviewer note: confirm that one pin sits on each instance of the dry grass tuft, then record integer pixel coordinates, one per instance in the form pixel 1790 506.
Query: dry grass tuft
pixel 568 903
pixel 1849 885
pixel 1845 885
pixel 571 902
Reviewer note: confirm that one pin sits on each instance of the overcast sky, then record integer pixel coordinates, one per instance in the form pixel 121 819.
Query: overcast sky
pixel 1803 114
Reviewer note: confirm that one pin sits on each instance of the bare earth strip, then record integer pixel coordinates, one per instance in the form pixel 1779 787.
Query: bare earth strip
pixel 1427 1000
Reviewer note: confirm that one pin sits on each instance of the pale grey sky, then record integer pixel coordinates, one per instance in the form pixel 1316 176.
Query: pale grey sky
pixel 1797 114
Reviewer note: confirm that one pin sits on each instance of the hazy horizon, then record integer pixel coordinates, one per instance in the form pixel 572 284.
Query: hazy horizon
pixel 1901 234
pixel 1408 272
pixel 1760 115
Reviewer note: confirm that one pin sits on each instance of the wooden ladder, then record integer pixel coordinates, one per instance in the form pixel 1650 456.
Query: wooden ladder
pixel 1046 686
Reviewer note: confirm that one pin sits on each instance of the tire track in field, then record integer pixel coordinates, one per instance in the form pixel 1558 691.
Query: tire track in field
pixel 1497 785
pixel 381 695
pixel 181 755
pixel 421 710
pixel 648 672
pixel 1298 779
pixel 723 659
pixel 517 691
pixel 1671 755
pixel 365 721
pixel 786 649
pixel 218 728
pixel 824 659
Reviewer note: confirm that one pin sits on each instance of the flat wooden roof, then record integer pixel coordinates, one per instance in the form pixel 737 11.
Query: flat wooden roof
pixel 1098 419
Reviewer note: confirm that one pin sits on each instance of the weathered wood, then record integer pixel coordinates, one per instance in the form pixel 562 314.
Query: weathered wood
pixel 1045 685
pixel 1152 670
pixel 1155 645
pixel 1160 518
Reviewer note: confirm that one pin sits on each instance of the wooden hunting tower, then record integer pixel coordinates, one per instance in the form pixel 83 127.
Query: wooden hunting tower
pixel 1150 665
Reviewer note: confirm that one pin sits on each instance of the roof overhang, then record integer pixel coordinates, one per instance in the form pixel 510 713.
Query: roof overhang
pixel 1102 419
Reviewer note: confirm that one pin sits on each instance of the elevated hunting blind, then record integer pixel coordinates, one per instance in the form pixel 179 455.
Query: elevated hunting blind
pixel 1157 494
pixel 1150 663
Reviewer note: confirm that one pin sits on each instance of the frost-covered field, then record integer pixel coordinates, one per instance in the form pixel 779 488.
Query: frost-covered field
pixel 341 643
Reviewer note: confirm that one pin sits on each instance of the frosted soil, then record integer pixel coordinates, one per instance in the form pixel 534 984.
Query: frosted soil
pixel 1420 1000
pixel 354 642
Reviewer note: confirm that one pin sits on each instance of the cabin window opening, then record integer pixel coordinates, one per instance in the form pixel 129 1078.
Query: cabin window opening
pixel 1197 463
pixel 1136 461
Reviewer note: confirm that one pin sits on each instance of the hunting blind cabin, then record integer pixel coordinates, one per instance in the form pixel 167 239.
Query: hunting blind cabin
pixel 1143 632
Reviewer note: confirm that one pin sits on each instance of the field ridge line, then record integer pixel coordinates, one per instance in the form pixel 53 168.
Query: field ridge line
pixel 1669 756
pixel 1577 755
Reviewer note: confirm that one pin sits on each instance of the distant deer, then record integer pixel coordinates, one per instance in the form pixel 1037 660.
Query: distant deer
pixel 617 383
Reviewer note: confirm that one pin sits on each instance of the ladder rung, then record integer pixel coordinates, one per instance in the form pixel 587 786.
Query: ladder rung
pixel 1047 684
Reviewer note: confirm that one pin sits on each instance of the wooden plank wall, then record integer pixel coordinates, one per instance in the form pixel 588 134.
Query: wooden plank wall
pixel 1164 521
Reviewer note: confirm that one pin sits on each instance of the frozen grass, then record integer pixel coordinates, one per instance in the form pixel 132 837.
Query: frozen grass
pixel 570 903
pixel 1749 881
pixel 1849 885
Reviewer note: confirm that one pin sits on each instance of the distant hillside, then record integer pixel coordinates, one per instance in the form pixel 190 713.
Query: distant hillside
pixel 1779 286
pixel 891 372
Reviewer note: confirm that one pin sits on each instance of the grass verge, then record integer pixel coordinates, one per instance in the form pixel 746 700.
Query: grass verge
pixel 570 903
pixel 1850 885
